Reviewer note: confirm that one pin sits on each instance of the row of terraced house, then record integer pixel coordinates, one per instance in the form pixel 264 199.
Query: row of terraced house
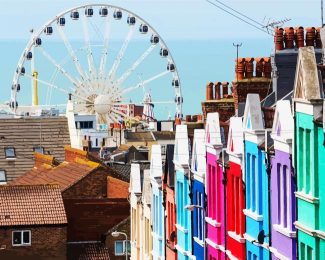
pixel 256 195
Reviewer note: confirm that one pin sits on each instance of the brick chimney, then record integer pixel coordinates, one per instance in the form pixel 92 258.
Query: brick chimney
pixel 42 159
pixel 71 154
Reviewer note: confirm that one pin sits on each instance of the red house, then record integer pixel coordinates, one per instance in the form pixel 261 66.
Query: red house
pixel 169 203
pixel 235 192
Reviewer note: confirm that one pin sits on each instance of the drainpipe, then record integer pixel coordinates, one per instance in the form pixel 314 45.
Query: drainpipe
pixel 294 165
pixel 224 182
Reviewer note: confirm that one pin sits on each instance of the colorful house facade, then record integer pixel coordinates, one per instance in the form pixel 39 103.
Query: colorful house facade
pixel 257 201
pixel 198 170
pixel 309 157
pixel 283 202
pixel 215 219
pixel 157 210
pixel 169 203
pixel 182 193
pixel 236 223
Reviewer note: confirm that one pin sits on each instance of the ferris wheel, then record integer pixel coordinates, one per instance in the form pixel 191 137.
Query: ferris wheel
pixel 103 58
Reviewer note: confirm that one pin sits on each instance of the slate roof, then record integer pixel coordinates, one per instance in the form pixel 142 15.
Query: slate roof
pixel 88 251
pixel 125 169
pixel 164 135
pixel 65 175
pixel 31 205
pixel 138 136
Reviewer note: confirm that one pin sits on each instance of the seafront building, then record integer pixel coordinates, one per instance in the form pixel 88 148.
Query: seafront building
pixel 198 171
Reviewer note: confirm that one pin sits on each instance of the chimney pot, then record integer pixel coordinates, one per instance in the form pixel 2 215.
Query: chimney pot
pixel 300 37
pixel 217 90
pixel 209 91
pixel 278 39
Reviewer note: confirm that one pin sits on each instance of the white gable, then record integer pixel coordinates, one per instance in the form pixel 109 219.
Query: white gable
pixel 156 161
pixel 146 187
pixel 306 84
pixel 235 143
pixel 253 119
pixel 181 152
pixel 283 125
pixel 212 128
pixel 135 178
pixel 199 152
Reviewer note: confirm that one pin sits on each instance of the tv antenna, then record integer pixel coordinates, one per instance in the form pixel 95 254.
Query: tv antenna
pixel 272 24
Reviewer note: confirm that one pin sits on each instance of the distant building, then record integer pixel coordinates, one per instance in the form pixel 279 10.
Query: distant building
pixel 33 222
pixel 20 138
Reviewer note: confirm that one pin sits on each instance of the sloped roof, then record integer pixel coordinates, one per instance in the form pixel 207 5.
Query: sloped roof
pixel 253 119
pixel 138 136
pixel 169 167
pixel 31 205
pixel 307 85
pixel 235 136
pixel 88 251
pixel 135 180
pixel 199 151
pixel 164 135
pixel 181 150
pixel 65 175
pixel 213 135
pixel 283 124
pixel 156 161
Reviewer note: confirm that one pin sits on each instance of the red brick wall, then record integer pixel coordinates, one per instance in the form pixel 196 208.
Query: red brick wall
pixel 46 243
pixel 117 189
pixel 92 186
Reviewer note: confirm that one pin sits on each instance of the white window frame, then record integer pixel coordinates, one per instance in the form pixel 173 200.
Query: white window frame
pixel 22 237
pixel 10 157
pixel 125 247
pixel 5 175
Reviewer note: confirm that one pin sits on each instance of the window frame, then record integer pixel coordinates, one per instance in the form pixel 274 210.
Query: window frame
pixel 5 175
pixel 22 238
pixel 38 147
pixel 126 245
pixel 10 157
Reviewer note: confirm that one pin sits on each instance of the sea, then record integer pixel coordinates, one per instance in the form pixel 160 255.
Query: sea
pixel 198 62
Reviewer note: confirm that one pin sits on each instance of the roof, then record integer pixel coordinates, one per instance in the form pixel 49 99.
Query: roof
pixel 283 125
pixel 25 134
pixel 65 175
pixel 307 84
pixel 169 167
pixel 164 135
pixel 156 162
pixel 117 188
pixel 138 136
pixel 88 251
pixel 124 170
pixel 213 135
pixel 253 119
pixel 236 136
pixel 181 150
pixel 123 148
pixel 31 205
pixel 198 152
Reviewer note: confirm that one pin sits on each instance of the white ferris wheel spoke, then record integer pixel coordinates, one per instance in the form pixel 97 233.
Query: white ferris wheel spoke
pixel 145 82
pixel 116 64
pixel 72 54
pixel 90 57
pixel 135 65
pixel 56 87
pixel 125 115
pixel 103 59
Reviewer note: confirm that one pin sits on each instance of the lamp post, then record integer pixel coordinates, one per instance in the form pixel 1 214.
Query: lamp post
pixel 191 208
pixel 117 234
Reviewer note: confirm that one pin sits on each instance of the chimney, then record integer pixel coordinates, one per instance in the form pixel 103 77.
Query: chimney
pixel 217 90
pixel 267 67
pixel 259 67
pixel 240 68
pixel 41 159
pixel 194 118
pixel 289 37
pixel 225 89
pixel 310 36
pixel 249 67
pixel 199 118
pixel 278 39
pixel 209 91
pixel 188 118
pixel 300 37
pixel 71 154
pixel 318 38
pixel 178 121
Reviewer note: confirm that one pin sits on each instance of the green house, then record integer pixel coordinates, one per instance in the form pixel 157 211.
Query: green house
pixel 309 157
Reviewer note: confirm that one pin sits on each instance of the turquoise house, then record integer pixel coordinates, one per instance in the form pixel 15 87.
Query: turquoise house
pixel 182 194
pixel 309 157
pixel 256 186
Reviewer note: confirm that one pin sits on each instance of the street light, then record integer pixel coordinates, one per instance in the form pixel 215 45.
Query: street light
pixel 117 234
pixel 191 208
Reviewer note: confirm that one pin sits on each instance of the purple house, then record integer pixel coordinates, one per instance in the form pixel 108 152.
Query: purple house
pixel 283 209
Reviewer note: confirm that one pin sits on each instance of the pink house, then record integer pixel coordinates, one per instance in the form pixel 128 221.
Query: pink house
pixel 215 220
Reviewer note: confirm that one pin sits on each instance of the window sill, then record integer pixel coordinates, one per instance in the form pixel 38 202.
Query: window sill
pixel 11 158
pixel 211 243
pixel 212 222
pixel 236 237
pixel 21 245
pixel 284 231
pixel 253 215
pixel 306 197
pixel 199 241
pixel 182 229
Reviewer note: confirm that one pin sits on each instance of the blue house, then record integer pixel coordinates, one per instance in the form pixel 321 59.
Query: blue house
pixel 198 169
pixel 157 209
pixel 182 194
pixel 256 180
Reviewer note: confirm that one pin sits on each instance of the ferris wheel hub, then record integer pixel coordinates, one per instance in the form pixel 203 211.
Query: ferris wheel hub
pixel 102 104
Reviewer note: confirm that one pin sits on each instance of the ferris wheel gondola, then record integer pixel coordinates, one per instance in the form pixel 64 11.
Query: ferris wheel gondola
pixel 97 82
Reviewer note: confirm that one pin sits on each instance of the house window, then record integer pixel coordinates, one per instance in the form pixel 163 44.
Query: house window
pixel 39 149
pixel 84 125
pixel 252 187
pixel 120 247
pixel 236 182
pixel 180 215
pixel 3 177
pixel 10 152
pixel 163 149
pixel 21 238
pixel 212 191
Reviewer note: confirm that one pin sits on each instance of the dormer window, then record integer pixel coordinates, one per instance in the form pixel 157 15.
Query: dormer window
pixel 10 153
pixel 3 178
pixel 39 149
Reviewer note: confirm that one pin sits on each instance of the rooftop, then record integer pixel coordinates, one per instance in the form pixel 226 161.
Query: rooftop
pixel 31 205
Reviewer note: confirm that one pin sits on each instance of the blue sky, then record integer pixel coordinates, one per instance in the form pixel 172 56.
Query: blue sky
pixel 174 19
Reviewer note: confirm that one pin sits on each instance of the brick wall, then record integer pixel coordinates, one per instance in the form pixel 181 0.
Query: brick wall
pixel 94 185
pixel 46 243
